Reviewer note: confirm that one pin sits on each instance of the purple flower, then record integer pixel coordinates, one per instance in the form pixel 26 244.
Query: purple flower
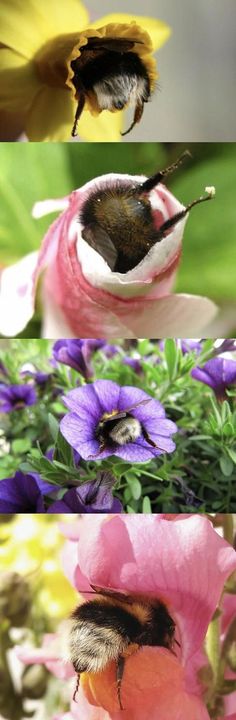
pixel 190 346
pixel 41 378
pixel 228 345
pixel 23 493
pixel 77 354
pixel 92 497
pixel 134 363
pixel 16 397
pixel 219 373
pixel 106 419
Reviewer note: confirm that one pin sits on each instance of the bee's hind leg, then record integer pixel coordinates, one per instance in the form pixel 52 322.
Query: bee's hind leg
pixel 119 675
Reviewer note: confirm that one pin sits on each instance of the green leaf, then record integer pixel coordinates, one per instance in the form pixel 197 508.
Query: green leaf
pixel 21 446
pixel 171 356
pixel 147 508
pixel 226 465
pixel 232 454
pixel 53 426
pixel 63 451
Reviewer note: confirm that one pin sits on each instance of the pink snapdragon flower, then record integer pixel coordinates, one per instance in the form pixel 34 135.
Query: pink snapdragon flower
pixel 180 560
pixel 82 297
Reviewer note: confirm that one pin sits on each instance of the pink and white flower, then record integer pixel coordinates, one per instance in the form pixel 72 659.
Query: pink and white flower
pixel 81 295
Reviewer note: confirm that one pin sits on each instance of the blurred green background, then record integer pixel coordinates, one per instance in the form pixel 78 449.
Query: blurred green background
pixel 36 171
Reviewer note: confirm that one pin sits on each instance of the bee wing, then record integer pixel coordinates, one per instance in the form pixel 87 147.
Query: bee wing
pixel 115 44
pixel 116 416
pixel 100 241
pixel 142 402
pixel 113 594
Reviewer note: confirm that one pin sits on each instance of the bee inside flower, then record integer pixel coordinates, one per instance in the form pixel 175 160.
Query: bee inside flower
pixel 111 70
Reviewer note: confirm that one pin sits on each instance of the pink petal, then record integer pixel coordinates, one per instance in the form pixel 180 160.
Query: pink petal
pixel 184 562
pixel 152 687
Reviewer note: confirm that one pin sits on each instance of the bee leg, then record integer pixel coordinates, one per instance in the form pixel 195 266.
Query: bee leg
pixel 80 107
pixel 77 687
pixel 147 438
pixel 137 117
pixel 101 448
pixel 119 675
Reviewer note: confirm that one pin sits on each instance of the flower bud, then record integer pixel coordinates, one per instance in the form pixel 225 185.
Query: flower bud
pixel 34 682
pixel 14 598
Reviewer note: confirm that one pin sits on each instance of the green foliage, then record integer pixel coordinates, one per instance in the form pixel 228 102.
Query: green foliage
pixel 200 474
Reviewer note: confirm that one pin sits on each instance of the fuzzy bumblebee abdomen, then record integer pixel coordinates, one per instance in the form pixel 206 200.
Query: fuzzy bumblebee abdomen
pixel 100 633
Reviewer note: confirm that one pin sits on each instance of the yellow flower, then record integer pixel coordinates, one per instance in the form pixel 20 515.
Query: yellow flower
pixel 41 62
pixel 31 545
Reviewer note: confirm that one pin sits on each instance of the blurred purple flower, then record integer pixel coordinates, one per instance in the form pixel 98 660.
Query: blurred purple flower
pixel 3 369
pixel 190 346
pixel 16 397
pixel 187 345
pixel 219 373
pixel 92 497
pixel 77 354
pixel 96 427
pixel 110 350
pixel 227 345
pixel 134 363
pixel 39 377
pixel 23 493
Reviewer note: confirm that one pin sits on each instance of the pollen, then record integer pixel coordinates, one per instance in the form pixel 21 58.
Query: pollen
pixel 210 190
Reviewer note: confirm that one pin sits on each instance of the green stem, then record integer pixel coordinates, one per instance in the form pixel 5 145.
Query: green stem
pixel 228 527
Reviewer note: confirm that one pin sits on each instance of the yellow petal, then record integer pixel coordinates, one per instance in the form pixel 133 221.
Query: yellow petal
pixel 51 116
pixel 158 30
pixel 18 81
pixel 27 24
pixel 104 128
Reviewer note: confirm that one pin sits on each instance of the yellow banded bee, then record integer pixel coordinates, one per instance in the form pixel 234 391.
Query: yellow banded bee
pixel 109 69
pixel 118 220
pixel 113 626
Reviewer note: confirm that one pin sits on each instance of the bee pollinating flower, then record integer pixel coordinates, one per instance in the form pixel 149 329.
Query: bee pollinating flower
pixel 111 72
pixel 106 419
pixel 55 63
pixel 119 219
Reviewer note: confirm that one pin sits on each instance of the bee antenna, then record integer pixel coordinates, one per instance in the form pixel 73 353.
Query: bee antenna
pixel 179 216
pixel 154 180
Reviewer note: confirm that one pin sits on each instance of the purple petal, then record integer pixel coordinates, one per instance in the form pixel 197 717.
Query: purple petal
pixel 108 393
pixel 84 402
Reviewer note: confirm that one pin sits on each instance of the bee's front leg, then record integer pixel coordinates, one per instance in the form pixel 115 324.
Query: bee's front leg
pixel 120 666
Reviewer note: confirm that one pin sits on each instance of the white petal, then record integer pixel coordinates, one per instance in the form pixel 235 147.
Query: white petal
pixel 44 207
pixel 17 295
pixel 172 316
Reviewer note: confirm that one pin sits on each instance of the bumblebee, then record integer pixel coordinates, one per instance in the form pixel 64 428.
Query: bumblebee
pixel 121 428
pixel 108 69
pixel 118 220
pixel 113 626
